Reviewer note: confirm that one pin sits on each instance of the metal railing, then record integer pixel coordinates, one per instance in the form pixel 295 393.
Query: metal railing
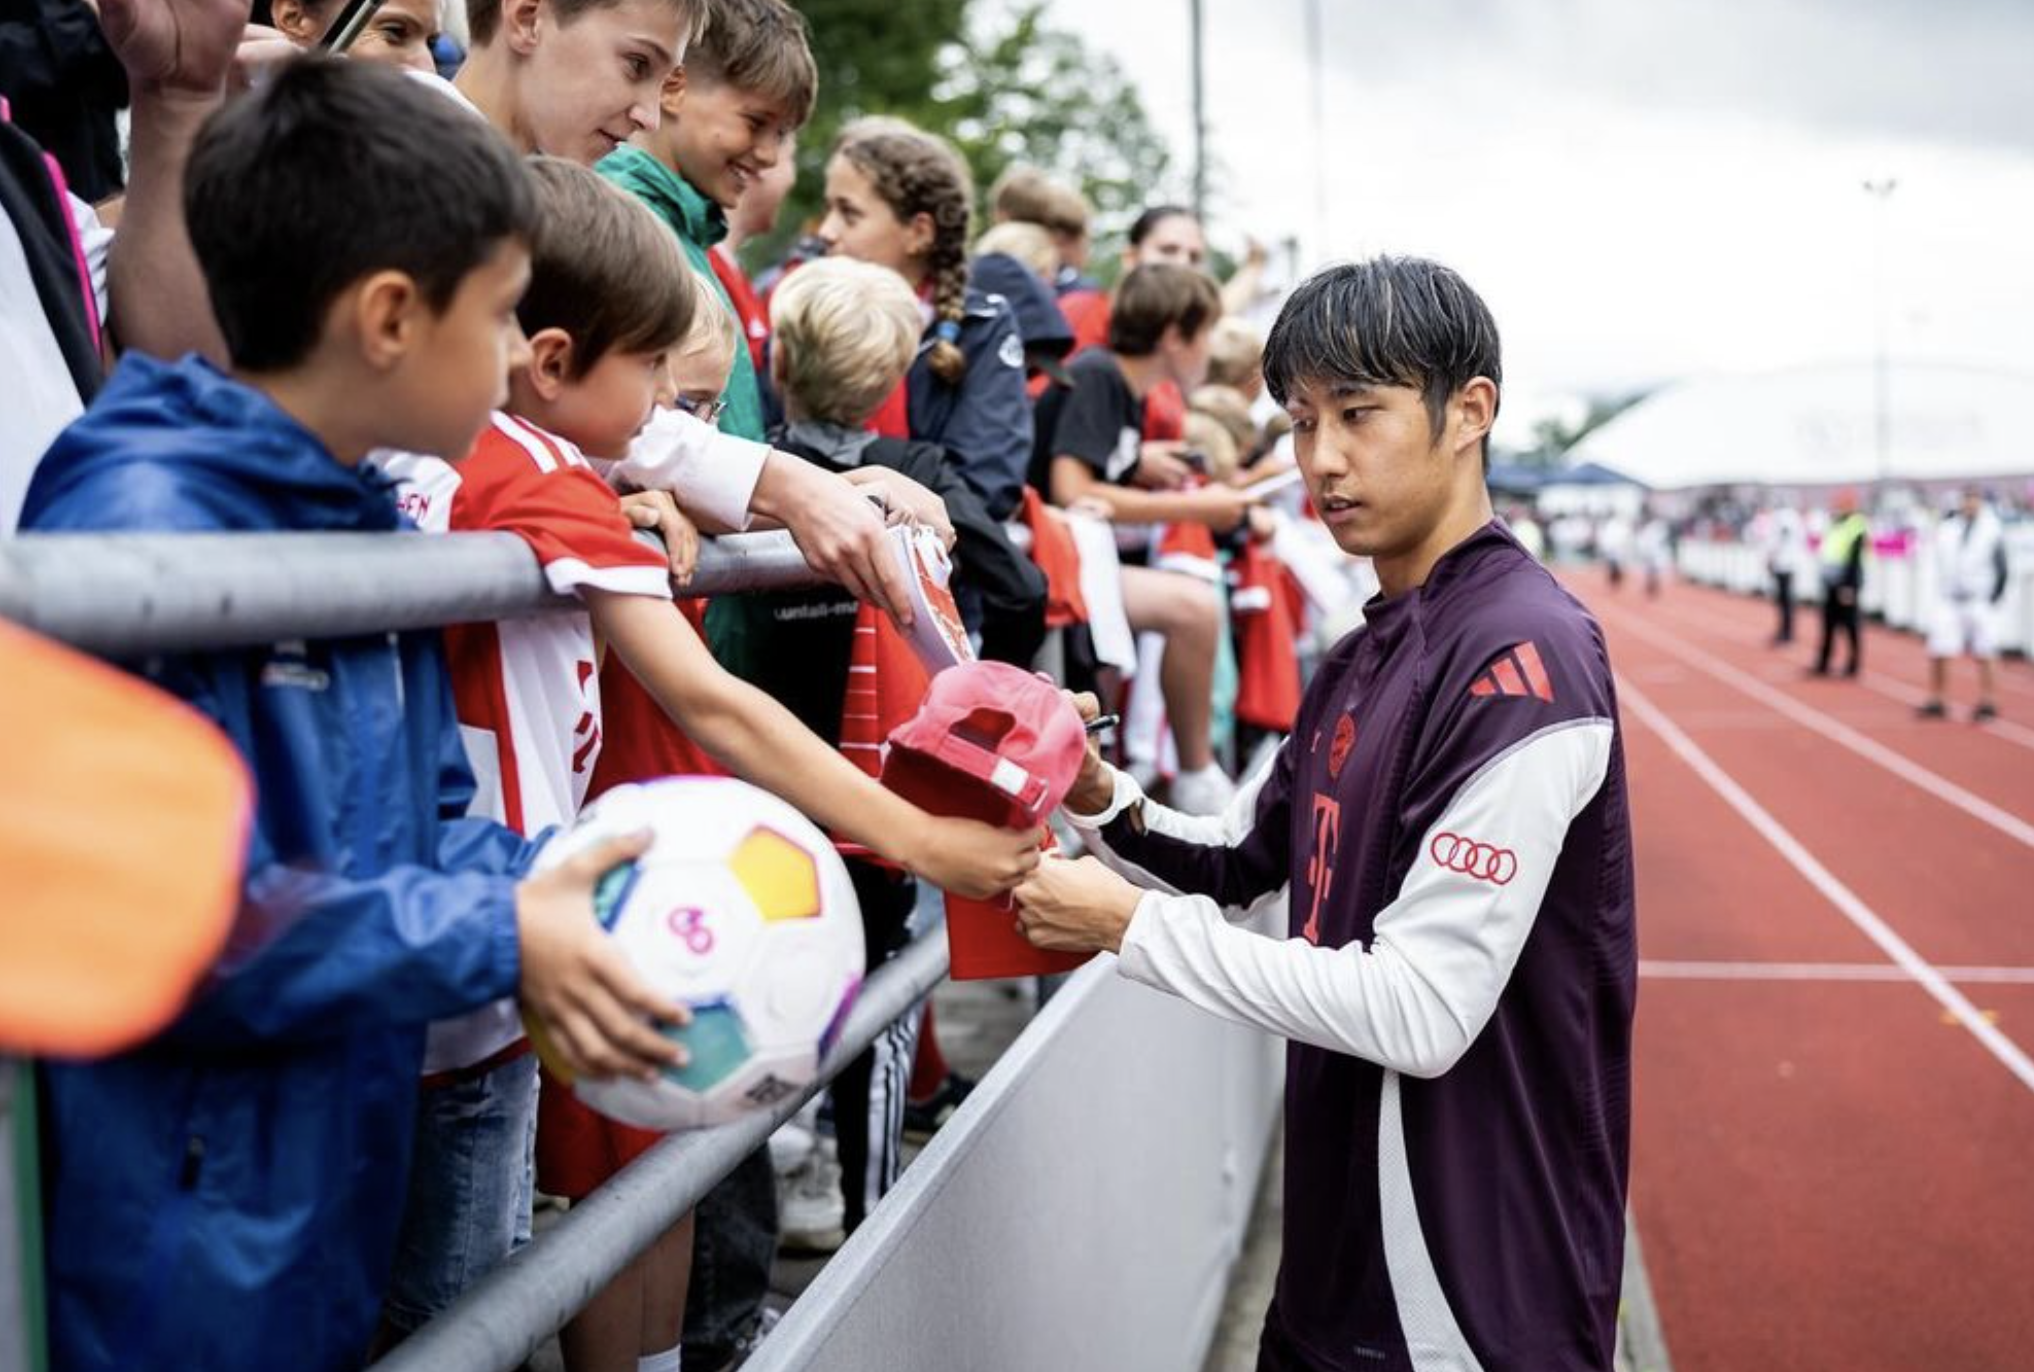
pixel 129 595
pixel 125 595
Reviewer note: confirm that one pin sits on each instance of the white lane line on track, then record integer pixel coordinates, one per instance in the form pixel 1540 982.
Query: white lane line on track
pixel 1977 807
pixel 1822 879
pixel 1892 688
pixel 1668 969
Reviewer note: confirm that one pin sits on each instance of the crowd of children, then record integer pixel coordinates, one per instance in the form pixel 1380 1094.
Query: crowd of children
pixel 356 298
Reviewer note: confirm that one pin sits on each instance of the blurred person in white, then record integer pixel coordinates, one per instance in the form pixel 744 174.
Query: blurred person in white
pixel 1655 546
pixel 1970 580
pixel 1786 545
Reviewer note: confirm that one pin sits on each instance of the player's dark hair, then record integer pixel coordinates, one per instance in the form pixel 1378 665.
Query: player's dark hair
pixel 330 172
pixel 1157 297
pixel 1391 321
pixel 1147 223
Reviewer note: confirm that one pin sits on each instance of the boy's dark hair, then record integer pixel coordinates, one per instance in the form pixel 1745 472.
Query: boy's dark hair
pixel 1142 227
pixel 332 171
pixel 1154 298
pixel 483 17
pixel 602 268
pixel 1391 321
pixel 760 46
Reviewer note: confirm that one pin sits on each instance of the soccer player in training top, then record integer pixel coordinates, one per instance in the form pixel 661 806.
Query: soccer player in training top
pixel 1448 822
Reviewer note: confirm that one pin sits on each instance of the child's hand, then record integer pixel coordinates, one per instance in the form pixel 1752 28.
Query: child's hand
pixel 970 858
pixel 578 983
pixel 1162 466
pixel 906 499
pixel 657 510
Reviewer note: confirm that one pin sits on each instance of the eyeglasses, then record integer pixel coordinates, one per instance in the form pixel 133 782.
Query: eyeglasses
pixel 705 411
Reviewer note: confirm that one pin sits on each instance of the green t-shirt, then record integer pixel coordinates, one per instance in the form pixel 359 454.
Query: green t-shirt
pixel 699 224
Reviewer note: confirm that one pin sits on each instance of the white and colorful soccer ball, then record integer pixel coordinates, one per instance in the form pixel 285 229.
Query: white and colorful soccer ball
pixel 742 912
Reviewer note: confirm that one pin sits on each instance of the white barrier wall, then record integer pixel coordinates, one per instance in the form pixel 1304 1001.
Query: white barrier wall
pixel 1897 589
pixel 1081 1214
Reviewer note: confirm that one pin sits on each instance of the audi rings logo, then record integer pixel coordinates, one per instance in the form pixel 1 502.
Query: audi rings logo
pixel 1472 859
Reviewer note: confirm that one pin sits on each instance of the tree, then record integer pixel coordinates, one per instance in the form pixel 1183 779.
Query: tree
pixel 1036 94
pixel 1016 90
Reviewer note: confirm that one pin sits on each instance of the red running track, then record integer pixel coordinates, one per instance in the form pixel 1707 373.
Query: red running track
pixel 1834 1139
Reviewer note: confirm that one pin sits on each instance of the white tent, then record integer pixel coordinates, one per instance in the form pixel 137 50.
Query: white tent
pixel 1815 426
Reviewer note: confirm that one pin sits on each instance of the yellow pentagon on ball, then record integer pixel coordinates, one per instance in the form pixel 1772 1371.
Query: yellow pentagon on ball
pixel 779 876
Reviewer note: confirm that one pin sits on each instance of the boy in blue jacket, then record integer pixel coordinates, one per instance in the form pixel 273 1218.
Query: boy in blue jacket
pixel 227 1196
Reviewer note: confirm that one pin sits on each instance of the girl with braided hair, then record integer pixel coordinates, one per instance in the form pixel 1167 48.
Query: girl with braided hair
pixel 901 198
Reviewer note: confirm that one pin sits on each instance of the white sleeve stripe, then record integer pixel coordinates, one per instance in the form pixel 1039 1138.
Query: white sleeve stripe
pixel 1443 950
pixel 1224 830
pixel 1227 829
pixel 569 575
pixel 506 426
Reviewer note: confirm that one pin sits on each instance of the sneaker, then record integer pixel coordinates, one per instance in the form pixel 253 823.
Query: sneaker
pixel 923 1118
pixel 812 1214
pixel 1205 792
pixel 1932 710
pixel 790 1146
pixel 1985 710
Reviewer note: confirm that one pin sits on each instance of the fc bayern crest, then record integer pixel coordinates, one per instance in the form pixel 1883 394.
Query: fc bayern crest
pixel 1338 751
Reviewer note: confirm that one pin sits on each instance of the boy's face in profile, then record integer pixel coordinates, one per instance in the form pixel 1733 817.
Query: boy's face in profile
pixel 594 82
pixel 723 139
pixel 455 366
pixel 1378 478
pixel 605 409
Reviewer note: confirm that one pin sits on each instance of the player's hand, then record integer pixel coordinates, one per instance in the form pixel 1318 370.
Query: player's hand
pixel 1162 466
pixel 1263 524
pixel 578 983
pixel 175 47
pixel 837 529
pixel 657 510
pixel 906 500
pixel 1220 507
pixel 972 859
pixel 1095 787
pixel 1075 906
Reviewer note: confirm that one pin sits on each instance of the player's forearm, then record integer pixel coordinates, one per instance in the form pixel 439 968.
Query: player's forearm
pixel 157 297
pixel 1235 858
pixel 1347 1000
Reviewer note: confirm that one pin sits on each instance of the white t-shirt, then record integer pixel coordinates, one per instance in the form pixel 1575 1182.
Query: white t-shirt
pixel 42 396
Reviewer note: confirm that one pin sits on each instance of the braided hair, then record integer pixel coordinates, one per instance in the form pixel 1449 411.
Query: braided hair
pixel 916 173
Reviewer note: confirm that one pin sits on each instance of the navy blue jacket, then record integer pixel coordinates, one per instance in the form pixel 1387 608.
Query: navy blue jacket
pixel 984 422
pixel 227 1195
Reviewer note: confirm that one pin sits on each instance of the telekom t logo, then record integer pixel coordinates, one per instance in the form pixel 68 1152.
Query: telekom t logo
pixel 1321 862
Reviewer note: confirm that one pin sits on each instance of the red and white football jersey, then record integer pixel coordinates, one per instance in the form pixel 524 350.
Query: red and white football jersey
pixel 527 690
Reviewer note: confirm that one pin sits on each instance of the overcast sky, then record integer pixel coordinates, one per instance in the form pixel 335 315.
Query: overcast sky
pixel 1642 189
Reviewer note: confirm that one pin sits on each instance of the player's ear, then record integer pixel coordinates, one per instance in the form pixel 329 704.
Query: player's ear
pixel 1473 410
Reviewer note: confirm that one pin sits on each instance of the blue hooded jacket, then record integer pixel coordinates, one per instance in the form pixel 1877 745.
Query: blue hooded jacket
pixel 227 1196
